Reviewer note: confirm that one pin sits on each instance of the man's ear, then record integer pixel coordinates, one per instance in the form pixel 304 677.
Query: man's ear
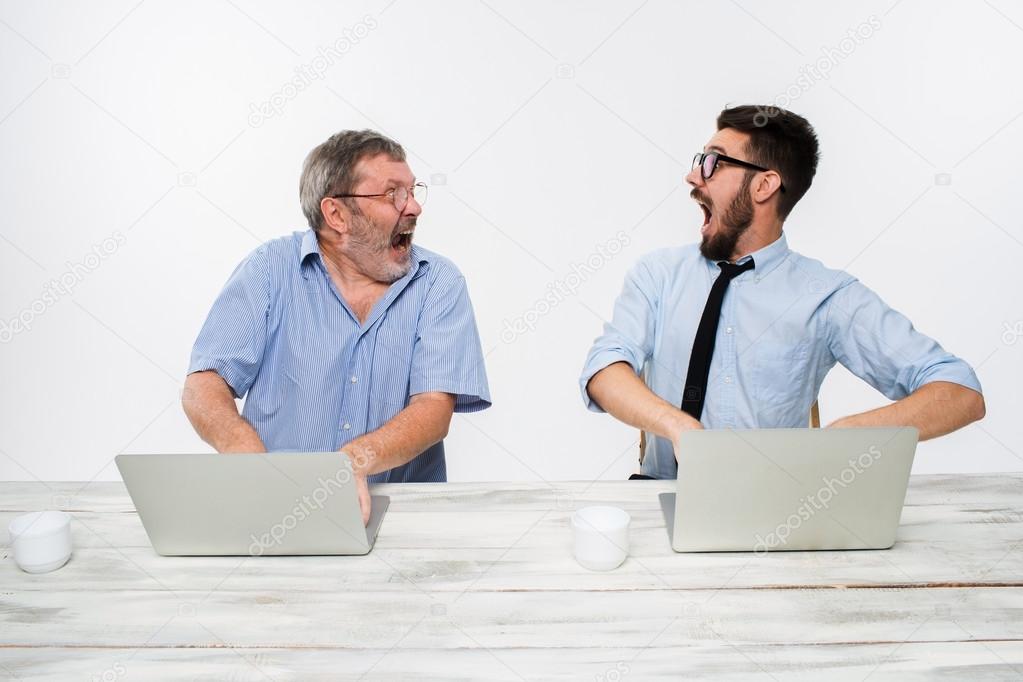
pixel 766 187
pixel 335 214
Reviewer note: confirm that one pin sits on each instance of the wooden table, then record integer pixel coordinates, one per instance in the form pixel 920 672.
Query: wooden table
pixel 476 581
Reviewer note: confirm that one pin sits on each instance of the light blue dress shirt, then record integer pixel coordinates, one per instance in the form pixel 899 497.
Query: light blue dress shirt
pixel 783 326
pixel 314 378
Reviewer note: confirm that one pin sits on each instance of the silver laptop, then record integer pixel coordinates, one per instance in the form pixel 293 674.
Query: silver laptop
pixel 765 490
pixel 256 504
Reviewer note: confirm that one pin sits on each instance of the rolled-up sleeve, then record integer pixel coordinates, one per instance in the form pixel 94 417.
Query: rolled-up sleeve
pixel 233 339
pixel 881 346
pixel 629 336
pixel 448 355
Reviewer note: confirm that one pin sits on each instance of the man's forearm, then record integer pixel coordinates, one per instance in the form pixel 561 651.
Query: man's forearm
pixel 935 409
pixel 423 423
pixel 210 407
pixel 623 395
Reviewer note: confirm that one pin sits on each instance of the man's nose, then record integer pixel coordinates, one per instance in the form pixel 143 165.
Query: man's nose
pixel 695 177
pixel 412 207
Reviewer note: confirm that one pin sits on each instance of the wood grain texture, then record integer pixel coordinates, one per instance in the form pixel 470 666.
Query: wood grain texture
pixel 477 581
pixel 966 661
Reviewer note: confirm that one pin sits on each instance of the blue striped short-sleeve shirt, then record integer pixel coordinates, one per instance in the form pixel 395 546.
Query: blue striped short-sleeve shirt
pixel 314 378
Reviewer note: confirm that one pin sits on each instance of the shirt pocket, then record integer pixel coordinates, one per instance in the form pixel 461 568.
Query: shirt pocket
pixel 780 379
pixel 391 366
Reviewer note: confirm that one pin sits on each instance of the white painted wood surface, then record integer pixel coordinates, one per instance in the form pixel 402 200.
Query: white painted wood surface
pixel 476 581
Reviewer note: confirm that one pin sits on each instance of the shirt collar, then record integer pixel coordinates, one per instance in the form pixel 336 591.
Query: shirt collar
pixel 766 259
pixel 311 245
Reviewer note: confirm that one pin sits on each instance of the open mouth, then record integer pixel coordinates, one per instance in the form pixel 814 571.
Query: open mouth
pixel 706 216
pixel 402 241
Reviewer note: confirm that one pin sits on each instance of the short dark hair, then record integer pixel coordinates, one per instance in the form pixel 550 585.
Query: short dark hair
pixel 330 168
pixel 779 140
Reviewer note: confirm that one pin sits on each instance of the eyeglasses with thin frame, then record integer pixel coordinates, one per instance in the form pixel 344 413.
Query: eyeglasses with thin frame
pixel 399 196
pixel 708 163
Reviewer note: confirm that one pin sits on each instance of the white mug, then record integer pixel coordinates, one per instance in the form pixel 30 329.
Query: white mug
pixel 600 537
pixel 41 541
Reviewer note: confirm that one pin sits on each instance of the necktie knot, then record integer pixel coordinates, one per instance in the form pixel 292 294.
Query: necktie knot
pixel 730 271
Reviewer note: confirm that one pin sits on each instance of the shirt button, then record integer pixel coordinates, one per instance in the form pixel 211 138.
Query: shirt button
pixel 346 426
pixel 728 380
pixel 354 379
pixel 728 330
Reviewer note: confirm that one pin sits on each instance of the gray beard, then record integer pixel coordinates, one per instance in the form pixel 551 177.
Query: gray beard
pixel 373 256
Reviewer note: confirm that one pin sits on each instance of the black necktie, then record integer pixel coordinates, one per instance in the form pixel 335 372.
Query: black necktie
pixel 695 389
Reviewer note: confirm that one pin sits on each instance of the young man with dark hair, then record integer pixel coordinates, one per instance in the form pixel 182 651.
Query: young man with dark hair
pixel 740 331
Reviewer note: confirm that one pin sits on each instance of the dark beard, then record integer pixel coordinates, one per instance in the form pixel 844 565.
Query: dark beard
pixel 733 224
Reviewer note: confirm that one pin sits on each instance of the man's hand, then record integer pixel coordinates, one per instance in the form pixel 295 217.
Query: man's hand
pixel 620 392
pixel 361 486
pixel 365 502
pixel 675 424
pixel 421 424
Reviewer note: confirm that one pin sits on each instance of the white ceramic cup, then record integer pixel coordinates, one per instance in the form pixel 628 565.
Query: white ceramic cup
pixel 600 537
pixel 41 541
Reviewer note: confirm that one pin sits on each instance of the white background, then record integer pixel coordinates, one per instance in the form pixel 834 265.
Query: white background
pixel 544 128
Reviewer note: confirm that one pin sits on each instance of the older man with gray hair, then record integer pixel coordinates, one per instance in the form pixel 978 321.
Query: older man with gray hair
pixel 345 336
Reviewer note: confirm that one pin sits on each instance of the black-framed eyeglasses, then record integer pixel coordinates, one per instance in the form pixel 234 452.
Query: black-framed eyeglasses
pixel 399 196
pixel 708 163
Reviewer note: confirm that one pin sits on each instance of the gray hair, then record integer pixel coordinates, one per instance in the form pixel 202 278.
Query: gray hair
pixel 330 168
